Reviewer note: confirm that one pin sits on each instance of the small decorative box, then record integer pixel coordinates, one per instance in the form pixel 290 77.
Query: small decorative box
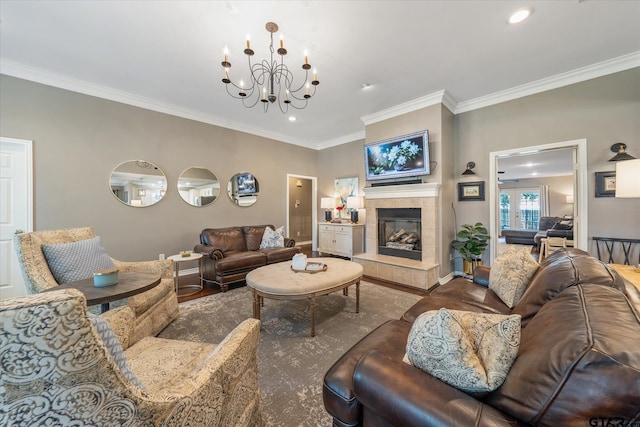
pixel 105 277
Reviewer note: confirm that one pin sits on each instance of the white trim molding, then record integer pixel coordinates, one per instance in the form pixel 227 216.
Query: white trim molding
pixel 440 97
pixel 589 72
pixel 429 189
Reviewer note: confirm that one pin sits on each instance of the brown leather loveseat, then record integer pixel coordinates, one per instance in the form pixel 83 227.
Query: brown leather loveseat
pixel 230 253
pixel 578 361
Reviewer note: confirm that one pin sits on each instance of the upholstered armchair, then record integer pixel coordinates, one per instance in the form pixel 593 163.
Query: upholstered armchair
pixel 152 310
pixel 61 367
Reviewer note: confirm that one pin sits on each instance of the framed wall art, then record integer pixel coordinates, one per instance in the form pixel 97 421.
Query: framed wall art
pixel 470 191
pixel 606 184
pixel 345 187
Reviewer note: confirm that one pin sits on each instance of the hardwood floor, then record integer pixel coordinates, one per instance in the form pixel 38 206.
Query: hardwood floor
pixel 211 289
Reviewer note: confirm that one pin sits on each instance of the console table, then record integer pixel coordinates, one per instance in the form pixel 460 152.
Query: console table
pixel 129 284
pixel 341 239
pixel 610 243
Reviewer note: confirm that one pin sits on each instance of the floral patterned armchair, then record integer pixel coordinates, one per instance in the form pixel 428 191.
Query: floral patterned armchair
pixel 152 310
pixel 58 369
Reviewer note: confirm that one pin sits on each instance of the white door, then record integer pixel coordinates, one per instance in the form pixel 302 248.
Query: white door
pixel 16 209
pixel 519 208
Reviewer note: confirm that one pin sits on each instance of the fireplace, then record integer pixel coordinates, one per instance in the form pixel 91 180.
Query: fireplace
pixel 400 232
pixel 420 273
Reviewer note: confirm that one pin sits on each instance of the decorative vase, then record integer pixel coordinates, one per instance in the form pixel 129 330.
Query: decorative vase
pixel 468 267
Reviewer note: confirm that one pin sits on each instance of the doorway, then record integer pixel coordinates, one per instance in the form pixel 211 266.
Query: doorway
pixel 16 215
pixel 301 209
pixel 579 178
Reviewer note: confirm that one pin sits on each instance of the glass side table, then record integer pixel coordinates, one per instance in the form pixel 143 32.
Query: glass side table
pixel 186 290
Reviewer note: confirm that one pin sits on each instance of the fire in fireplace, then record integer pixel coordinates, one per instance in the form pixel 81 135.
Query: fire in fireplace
pixel 399 232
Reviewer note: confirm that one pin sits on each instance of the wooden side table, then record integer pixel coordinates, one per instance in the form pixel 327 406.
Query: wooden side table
pixel 129 283
pixel 186 290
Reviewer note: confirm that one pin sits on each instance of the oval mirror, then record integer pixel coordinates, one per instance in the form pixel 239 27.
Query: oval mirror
pixel 138 183
pixel 198 186
pixel 243 189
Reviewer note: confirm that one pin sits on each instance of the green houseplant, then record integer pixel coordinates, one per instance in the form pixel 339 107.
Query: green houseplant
pixel 471 241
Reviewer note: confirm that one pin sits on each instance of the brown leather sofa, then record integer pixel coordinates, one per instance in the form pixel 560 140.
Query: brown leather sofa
pixel 230 253
pixel 578 360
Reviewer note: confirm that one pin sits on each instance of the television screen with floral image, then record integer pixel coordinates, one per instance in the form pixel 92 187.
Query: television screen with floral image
pixel 403 156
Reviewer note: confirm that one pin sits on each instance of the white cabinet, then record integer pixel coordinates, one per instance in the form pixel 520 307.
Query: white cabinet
pixel 341 239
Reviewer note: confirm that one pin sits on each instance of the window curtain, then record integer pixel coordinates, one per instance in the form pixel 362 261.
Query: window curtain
pixel 544 200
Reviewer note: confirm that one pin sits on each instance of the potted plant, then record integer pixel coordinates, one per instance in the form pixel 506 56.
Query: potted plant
pixel 471 242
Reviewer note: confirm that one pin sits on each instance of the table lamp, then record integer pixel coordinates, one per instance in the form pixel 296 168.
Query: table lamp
pixel 354 203
pixel 327 203
pixel 628 179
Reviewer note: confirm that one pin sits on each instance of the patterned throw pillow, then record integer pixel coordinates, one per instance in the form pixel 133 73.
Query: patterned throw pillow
pixel 470 351
pixel 272 238
pixel 74 261
pixel 112 343
pixel 510 274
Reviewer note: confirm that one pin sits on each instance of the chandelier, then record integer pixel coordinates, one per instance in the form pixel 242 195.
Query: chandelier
pixel 271 81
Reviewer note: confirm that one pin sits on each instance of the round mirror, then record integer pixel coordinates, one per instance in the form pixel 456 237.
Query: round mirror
pixel 243 189
pixel 138 183
pixel 198 186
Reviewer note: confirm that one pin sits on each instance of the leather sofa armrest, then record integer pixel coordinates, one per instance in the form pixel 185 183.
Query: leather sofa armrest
pixel 212 252
pixel 404 395
pixel 481 275
pixel 289 243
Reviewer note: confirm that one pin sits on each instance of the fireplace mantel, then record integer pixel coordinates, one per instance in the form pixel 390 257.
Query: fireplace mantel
pixel 402 191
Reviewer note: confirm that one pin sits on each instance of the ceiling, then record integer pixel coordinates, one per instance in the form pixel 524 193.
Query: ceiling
pixel 541 164
pixel 165 55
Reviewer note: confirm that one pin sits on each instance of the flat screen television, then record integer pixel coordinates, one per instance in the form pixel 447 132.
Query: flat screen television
pixel 246 185
pixel 398 157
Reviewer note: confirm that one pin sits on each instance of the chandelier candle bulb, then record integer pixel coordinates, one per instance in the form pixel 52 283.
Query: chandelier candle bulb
pixel 281 41
pixel 248 42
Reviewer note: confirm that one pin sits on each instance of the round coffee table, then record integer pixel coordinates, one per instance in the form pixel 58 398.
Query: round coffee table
pixel 280 282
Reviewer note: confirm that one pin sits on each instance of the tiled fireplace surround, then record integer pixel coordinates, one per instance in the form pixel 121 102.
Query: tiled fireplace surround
pixel 419 274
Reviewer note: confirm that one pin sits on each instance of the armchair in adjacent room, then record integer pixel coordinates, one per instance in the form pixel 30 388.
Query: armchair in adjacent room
pixel 152 310
pixel 63 366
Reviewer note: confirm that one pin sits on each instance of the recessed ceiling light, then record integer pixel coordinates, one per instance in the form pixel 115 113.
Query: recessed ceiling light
pixel 292 118
pixel 366 85
pixel 519 16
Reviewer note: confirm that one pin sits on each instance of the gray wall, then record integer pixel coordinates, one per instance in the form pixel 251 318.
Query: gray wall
pixel 79 139
pixel 603 111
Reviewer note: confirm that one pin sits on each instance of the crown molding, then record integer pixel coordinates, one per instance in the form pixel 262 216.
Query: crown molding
pixel 599 69
pixel 440 97
pixel 341 140
pixel 48 78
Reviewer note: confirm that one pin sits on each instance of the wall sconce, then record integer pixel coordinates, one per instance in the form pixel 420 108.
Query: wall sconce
pixel 469 170
pixel 628 179
pixel 619 148
pixel 354 203
pixel 299 184
pixel 569 198
pixel 327 203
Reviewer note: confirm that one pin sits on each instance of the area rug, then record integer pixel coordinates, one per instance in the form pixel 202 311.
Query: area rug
pixel 291 363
